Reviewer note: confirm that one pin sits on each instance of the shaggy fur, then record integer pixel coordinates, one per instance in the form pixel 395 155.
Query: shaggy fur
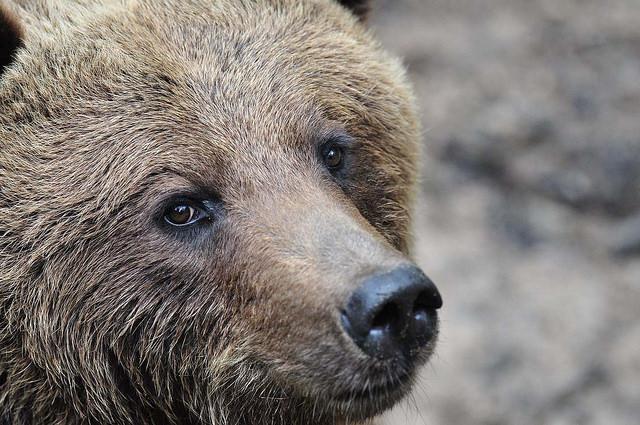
pixel 110 109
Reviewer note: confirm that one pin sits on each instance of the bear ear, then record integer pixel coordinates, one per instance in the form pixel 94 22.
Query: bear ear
pixel 360 8
pixel 11 34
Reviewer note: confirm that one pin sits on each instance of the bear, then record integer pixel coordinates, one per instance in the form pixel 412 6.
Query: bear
pixel 205 215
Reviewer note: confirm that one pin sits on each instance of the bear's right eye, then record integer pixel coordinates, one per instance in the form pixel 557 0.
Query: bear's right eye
pixel 333 157
pixel 183 214
pixel 333 153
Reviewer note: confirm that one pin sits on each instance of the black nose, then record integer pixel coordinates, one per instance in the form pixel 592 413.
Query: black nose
pixel 393 313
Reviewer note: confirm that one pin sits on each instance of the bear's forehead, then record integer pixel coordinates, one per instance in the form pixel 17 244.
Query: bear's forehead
pixel 263 67
pixel 138 89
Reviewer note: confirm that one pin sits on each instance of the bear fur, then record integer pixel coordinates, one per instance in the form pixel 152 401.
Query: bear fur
pixel 109 110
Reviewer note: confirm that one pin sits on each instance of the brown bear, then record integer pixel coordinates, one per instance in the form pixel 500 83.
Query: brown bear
pixel 204 215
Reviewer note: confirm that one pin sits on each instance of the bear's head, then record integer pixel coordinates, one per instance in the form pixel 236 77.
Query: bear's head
pixel 204 215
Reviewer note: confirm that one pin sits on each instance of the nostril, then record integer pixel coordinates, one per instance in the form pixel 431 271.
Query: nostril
pixel 421 304
pixel 386 317
pixel 428 299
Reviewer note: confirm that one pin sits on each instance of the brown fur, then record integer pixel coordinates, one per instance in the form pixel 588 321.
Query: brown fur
pixel 106 316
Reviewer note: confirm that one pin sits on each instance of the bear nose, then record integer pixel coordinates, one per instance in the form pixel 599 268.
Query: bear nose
pixel 393 313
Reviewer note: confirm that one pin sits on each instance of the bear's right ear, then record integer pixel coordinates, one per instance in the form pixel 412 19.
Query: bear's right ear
pixel 11 34
pixel 360 8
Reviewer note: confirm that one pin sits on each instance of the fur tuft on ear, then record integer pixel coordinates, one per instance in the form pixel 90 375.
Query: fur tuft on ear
pixel 10 37
pixel 360 8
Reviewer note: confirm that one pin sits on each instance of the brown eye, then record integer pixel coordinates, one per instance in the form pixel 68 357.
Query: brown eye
pixel 333 156
pixel 182 215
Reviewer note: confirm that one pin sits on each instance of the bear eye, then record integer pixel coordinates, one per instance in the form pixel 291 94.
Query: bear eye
pixel 183 214
pixel 333 156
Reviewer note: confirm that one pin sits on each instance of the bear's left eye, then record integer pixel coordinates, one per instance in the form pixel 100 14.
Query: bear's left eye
pixel 333 156
pixel 183 214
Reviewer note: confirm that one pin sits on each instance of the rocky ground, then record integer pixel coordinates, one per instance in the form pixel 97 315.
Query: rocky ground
pixel 529 219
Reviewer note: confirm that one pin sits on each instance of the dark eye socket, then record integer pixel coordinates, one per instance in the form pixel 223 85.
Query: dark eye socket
pixel 183 213
pixel 333 156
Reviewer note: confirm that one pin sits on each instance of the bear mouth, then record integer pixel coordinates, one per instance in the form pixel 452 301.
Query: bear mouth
pixel 368 401
pixel 390 389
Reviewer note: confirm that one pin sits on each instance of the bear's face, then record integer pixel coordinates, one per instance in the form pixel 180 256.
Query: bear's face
pixel 193 196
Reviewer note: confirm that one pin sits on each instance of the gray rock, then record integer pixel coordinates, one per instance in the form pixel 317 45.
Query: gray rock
pixel 624 240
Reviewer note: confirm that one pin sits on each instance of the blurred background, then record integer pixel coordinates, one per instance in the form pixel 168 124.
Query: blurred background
pixel 529 211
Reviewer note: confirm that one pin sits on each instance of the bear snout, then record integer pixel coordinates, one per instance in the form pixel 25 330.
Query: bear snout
pixel 393 314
